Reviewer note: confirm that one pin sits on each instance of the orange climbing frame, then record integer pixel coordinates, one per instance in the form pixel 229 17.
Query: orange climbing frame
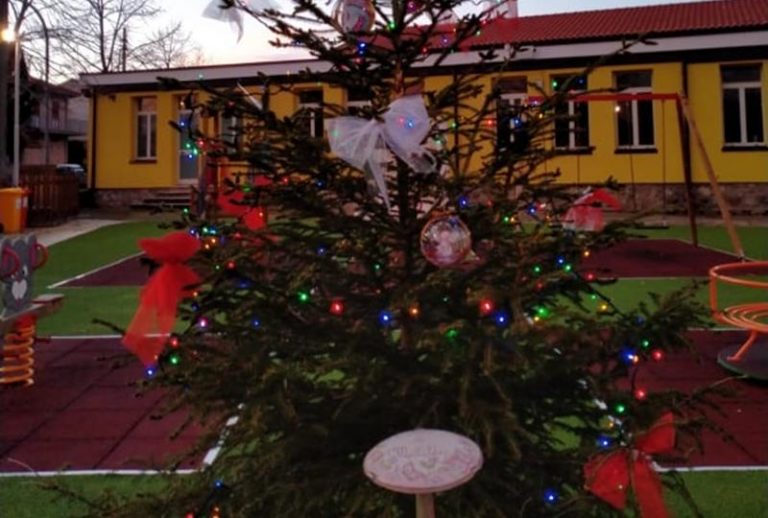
pixel 750 316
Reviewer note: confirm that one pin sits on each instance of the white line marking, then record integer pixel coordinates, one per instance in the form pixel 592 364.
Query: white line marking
pixel 685 469
pixel 84 337
pixel 94 472
pixel 91 272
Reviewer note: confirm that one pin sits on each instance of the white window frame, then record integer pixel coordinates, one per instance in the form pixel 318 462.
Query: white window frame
pixel 313 129
pixel 572 123
pixel 148 118
pixel 742 87
pixel 636 120
pixel 228 129
pixel 514 99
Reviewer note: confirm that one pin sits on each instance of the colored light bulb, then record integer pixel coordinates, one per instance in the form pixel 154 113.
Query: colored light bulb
pixel 385 317
pixel 150 372
pixel 604 441
pixel 256 322
pixel 641 394
pixel 501 318
pixel 414 311
pixel 174 359
pixel 303 296
pixel 550 496
pixel 452 334
pixel 337 307
pixel 657 355
pixel 486 307
pixel 620 408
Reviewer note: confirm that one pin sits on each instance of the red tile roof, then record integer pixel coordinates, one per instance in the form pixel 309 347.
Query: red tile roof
pixel 667 19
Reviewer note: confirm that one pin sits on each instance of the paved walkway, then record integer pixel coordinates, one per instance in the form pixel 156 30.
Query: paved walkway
pixel 51 235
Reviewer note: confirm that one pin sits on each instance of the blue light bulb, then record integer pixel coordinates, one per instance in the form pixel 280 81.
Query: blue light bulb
pixel 501 318
pixel 385 318
pixel 550 496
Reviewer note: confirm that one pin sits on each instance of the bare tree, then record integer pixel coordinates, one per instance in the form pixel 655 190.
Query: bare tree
pixel 113 35
pixel 168 47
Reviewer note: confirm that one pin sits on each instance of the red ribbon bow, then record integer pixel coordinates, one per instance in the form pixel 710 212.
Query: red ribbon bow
pixel 160 297
pixel 609 477
pixel 253 218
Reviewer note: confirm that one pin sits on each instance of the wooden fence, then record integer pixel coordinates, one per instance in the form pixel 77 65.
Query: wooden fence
pixel 53 196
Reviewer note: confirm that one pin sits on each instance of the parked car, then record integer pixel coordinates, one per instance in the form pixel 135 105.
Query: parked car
pixel 74 169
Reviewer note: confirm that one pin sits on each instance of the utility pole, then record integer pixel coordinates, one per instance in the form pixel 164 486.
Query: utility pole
pixel 124 50
pixel 5 76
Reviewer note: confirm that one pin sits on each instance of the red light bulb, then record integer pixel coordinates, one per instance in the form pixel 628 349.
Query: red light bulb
pixel 337 307
pixel 657 355
pixel 486 307
pixel 640 394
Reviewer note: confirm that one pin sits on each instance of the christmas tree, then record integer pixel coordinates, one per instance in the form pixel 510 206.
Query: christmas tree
pixel 416 271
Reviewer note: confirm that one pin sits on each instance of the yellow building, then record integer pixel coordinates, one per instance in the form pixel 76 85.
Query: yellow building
pixel 713 53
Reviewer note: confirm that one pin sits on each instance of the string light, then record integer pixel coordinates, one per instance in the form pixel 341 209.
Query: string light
pixel 604 441
pixel 202 323
pixel 337 307
pixel 620 408
pixel 501 318
pixel 550 496
pixel 321 250
pixel 256 322
pixel 463 202
pixel 303 296
pixel 641 394
pixel 385 318
pixel 150 372
pixel 645 343
pixel 174 359
pixel 174 342
pixel 414 311
pixel 486 307
pixel 657 355
pixel 452 334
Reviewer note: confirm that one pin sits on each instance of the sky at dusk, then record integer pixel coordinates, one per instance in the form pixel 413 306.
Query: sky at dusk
pixel 220 45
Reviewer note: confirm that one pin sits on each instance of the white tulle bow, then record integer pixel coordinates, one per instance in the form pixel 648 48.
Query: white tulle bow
pixel 364 143
pixel 234 15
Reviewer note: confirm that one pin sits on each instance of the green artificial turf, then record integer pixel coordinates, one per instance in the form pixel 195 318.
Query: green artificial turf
pixel 114 304
pixel 754 239
pixel 94 249
pixel 719 494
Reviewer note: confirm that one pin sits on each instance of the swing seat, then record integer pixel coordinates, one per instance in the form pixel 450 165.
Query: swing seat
pixel 749 316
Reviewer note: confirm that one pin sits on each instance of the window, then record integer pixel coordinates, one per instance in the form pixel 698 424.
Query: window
pixel 634 118
pixel 742 105
pixel 510 117
pixel 311 112
pixel 146 128
pixel 230 129
pixel 357 98
pixel 55 110
pixel 571 118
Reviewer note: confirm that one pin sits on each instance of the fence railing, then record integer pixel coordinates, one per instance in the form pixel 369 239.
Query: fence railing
pixel 53 197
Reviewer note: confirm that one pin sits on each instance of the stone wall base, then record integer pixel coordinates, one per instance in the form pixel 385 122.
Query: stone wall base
pixel 744 198
pixel 122 198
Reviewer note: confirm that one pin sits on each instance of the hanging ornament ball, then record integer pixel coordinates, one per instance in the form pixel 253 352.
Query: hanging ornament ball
pixel 356 15
pixel 446 241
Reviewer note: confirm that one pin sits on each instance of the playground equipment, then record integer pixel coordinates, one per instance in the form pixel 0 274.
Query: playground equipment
pixel 21 256
pixel 747 358
pixel 689 132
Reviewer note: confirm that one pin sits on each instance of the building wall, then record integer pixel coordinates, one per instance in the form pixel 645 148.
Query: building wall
pixel 117 168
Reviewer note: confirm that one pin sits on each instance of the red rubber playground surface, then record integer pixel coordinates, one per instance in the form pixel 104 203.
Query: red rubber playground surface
pixel 634 258
pixel 83 414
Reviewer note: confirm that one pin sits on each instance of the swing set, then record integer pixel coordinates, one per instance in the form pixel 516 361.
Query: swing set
pixel 688 130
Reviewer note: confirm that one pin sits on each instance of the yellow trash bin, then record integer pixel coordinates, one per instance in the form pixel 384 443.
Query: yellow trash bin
pixel 12 215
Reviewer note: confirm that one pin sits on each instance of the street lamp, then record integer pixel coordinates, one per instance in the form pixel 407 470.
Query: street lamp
pixel 10 36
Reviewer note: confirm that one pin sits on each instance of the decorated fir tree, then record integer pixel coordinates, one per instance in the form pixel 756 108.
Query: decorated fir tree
pixel 416 271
